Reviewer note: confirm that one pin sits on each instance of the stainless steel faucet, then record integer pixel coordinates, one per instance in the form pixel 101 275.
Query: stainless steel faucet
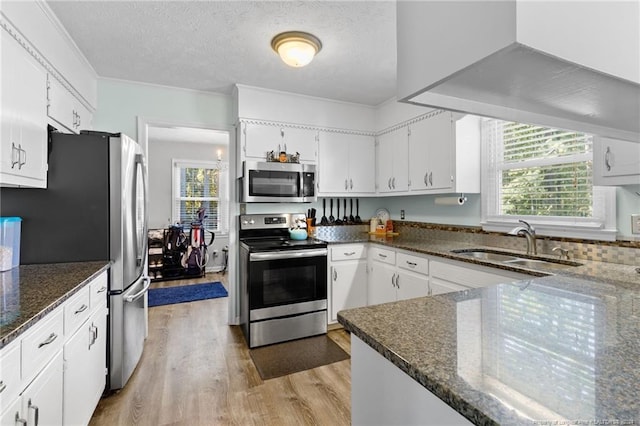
pixel 529 233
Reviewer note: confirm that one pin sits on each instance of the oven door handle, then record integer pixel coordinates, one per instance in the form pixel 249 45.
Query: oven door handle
pixel 291 254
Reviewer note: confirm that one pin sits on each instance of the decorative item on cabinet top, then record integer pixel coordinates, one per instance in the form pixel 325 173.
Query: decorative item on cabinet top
pixel 282 157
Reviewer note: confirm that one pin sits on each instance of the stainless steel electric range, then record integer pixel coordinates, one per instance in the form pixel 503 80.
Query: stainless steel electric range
pixel 283 281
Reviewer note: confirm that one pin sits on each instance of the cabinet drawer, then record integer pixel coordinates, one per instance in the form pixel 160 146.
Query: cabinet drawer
pixel 383 255
pixel 42 343
pixel 76 311
pixel 98 289
pixel 413 263
pixel 349 252
pixel 9 373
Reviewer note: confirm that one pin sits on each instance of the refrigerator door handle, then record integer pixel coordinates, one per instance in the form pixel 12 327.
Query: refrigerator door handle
pixel 133 297
pixel 142 256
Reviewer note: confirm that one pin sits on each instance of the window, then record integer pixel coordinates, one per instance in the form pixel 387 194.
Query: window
pixel 544 176
pixel 200 184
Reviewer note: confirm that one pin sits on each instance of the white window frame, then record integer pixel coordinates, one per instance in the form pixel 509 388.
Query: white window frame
pixel 223 191
pixel 601 226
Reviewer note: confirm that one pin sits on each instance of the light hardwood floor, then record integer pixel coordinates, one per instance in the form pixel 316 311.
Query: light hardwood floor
pixel 196 370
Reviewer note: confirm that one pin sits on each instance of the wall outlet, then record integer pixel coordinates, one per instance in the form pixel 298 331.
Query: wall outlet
pixel 635 223
pixel 402 214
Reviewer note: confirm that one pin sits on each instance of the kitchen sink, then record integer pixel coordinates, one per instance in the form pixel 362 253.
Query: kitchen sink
pixel 511 259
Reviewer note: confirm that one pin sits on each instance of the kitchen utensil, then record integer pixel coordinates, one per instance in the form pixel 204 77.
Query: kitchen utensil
pixel 351 218
pixel 338 220
pixel 345 219
pixel 324 221
pixel 313 213
pixel 358 219
pixel 332 219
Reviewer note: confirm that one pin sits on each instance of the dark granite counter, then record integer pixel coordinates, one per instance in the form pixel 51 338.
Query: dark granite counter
pixel 558 349
pixel 29 292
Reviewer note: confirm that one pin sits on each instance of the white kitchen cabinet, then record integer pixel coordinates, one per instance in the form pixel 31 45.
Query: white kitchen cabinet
pixel 393 161
pixel 9 375
pixel 348 278
pixel 259 139
pixel 444 154
pixel 66 111
pixel 615 162
pixel 42 399
pixel 345 164
pixel 23 155
pixel 396 276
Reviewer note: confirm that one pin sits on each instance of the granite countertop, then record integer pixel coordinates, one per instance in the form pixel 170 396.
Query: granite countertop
pixel 29 292
pixel 622 274
pixel 553 349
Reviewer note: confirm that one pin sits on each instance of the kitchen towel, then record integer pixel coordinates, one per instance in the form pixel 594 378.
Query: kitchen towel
pixel 186 293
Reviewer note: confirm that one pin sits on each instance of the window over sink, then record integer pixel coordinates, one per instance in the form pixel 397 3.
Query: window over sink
pixel 544 176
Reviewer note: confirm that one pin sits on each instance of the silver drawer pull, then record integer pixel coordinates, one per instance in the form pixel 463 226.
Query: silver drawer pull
pixel 350 253
pixel 50 339
pixel 2 386
pixel 382 255
pixel 81 309
pixel 102 289
pixel 37 412
pixel 412 264
pixel 19 420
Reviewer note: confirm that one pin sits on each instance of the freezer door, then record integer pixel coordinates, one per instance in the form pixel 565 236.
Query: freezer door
pixel 127 332
pixel 134 211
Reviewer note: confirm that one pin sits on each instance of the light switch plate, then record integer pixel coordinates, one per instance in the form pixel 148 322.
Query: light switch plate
pixel 635 223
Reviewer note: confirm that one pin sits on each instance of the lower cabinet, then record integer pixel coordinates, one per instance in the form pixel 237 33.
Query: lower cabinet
pixel 56 372
pixel 347 278
pixel 84 377
pixel 396 276
pixel 451 275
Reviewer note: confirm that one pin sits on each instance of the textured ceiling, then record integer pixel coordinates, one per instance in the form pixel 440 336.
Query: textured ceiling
pixel 211 45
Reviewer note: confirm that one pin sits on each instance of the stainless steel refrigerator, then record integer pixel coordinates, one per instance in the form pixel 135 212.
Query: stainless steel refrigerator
pixel 94 208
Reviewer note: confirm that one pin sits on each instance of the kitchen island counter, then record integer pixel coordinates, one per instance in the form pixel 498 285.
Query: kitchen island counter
pixel 29 292
pixel 552 349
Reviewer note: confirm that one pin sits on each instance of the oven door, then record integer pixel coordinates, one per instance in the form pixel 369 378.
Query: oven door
pixel 287 282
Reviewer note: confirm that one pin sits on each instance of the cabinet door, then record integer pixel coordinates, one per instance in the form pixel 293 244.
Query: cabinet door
pixel 362 160
pixel 84 375
pixel 381 288
pixel 260 139
pixel 43 397
pixel 400 180
pixel 348 286
pixel 619 158
pixel 441 147
pixel 24 130
pixel 410 285
pixel 333 163
pixel 419 155
pixel 302 141
pixel 61 106
pixel 438 286
pixel 12 413
pixel 385 161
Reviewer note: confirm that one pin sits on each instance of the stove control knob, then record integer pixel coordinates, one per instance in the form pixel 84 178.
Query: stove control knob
pixel 245 222
pixel 252 221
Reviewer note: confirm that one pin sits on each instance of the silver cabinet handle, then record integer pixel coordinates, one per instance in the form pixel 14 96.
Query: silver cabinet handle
pixel 14 150
pixel 351 183
pixel 426 181
pixel 19 420
pixel 345 184
pixel 36 410
pixel 335 275
pixel 49 340
pixel 81 309
pixel 398 281
pixel 607 158
pixel 393 280
pixel 102 289
pixel 412 264
pixel 431 178
pixel 384 256
pixel 2 386
pixel 351 253
pixel 393 183
pixel 389 183
pixel 22 163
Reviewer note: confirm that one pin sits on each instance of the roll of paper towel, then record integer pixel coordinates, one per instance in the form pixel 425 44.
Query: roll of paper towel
pixel 450 201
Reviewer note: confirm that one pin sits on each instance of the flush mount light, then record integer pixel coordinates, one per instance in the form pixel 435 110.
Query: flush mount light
pixel 296 48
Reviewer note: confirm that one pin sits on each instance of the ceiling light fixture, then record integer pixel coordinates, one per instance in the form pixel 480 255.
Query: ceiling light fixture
pixel 296 48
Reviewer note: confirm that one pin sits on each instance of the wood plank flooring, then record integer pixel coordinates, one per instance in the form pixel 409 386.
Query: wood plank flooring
pixel 196 370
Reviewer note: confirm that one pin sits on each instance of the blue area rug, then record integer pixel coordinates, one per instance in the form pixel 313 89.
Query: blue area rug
pixel 186 293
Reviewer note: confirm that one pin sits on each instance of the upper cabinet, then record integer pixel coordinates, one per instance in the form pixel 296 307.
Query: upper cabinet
pixel 23 147
pixel 615 162
pixel 346 164
pixel 258 139
pixel 68 113
pixel 393 161
pixel 547 63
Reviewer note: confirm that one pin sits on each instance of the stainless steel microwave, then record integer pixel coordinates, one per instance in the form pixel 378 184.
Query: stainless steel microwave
pixel 270 182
